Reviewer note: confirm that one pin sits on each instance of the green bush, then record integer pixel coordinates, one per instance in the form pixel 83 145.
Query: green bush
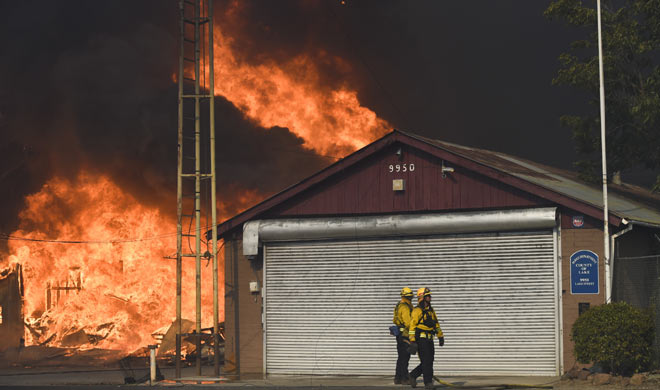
pixel 617 336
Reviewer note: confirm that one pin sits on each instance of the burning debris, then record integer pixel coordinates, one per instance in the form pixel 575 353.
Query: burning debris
pixel 42 333
pixel 111 289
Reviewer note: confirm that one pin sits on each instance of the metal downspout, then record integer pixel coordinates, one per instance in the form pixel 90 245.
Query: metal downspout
pixel 560 304
pixel 611 274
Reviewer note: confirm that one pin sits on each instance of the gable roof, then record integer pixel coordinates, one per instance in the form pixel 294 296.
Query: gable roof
pixel 562 187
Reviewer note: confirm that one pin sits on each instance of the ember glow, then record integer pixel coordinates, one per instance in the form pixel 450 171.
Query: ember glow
pixel 111 295
pixel 330 121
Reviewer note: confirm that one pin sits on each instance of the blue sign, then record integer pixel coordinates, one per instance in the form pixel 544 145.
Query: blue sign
pixel 584 272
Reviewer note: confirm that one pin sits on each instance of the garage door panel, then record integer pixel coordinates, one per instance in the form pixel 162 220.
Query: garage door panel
pixel 329 303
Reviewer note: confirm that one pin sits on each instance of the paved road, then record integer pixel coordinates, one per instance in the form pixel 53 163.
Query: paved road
pixel 99 379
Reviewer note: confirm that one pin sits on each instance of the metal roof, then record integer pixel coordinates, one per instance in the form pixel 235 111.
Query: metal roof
pixel 626 201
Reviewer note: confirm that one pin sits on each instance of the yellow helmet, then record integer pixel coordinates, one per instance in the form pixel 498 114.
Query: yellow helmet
pixel 422 292
pixel 406 292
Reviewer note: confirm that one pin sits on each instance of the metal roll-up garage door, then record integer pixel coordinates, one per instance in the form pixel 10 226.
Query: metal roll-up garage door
pixel 328 304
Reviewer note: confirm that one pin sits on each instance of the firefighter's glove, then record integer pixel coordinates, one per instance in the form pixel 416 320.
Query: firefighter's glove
pixel 441 341
pixel 412 348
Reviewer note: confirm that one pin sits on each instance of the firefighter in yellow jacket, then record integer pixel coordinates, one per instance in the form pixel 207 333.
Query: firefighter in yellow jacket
pixel 424 327
pixel 402 322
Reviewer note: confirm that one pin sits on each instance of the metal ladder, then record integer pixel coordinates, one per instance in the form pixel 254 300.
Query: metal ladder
pixel 194 122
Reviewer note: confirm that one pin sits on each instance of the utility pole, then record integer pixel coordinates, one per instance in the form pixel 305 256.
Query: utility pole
pixel 214 211
pixel 606 227
pixel 195 57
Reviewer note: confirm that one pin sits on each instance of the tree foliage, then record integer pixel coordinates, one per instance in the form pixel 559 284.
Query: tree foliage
pixel 617 336
pixel 631 63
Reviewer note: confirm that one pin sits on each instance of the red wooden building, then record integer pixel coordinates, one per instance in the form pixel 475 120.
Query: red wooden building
pixel 511 250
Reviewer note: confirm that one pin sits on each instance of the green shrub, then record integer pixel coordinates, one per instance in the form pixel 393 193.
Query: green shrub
pixel 617 336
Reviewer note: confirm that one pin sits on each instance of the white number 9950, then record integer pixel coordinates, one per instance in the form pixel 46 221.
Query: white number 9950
pixel 401 168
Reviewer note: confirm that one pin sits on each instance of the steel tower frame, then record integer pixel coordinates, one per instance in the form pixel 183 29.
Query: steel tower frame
pixel 190 97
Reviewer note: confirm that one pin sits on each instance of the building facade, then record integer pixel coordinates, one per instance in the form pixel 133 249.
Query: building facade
pixel 512 251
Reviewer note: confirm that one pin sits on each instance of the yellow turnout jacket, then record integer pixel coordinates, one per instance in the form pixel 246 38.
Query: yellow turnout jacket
pixel 402 316
pixel 424 322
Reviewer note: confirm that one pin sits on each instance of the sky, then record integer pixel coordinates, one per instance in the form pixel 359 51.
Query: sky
pixel 89 85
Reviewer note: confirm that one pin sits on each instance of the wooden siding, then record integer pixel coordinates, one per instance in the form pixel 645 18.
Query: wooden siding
pixel 360 184
pixel 368 189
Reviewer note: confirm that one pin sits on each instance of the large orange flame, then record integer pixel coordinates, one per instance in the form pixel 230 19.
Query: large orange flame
pixel 119 292
pixel 117 287
pixel 330 121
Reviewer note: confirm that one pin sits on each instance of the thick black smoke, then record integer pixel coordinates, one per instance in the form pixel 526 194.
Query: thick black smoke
pixel 88 85
pixel 476 73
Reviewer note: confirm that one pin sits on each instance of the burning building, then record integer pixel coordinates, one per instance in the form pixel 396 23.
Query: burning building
pixel 93 228
pixel 11 307
pixel 95 268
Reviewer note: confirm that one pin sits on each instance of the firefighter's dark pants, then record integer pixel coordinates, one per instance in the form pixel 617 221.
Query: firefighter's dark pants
pixel 426 351
pixel 402 359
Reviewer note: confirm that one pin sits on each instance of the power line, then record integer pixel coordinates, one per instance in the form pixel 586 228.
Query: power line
pixel 8 237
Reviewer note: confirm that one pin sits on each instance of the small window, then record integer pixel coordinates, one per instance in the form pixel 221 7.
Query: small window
pixel 1 308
